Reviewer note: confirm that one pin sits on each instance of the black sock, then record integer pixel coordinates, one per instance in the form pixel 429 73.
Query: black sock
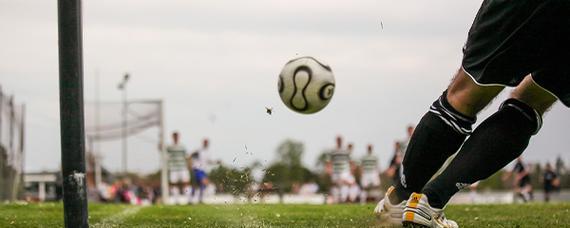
pixel 497 141
pixel 439 134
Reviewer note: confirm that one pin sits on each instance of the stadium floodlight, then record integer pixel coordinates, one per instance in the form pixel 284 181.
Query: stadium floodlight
pixel 123 87
pixel 71 113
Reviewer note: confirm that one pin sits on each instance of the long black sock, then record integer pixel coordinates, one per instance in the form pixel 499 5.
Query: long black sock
pixel 497 141
pixel 439 134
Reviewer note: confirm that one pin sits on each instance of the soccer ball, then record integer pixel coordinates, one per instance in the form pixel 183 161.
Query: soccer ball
pixel 306 85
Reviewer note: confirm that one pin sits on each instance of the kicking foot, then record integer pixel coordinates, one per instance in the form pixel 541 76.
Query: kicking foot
pixel 418 213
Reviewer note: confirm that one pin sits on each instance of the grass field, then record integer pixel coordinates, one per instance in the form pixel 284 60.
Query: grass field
pixel 50 215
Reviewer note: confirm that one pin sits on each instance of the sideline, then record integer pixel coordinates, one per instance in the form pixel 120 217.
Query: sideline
pixel 117 219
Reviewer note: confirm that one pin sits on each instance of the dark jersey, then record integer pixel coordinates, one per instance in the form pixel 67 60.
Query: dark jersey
pixel 519 169
pixel 549 177
pixel 395 162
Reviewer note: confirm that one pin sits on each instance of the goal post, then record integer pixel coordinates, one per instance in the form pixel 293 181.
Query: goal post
pixel 71 113
pixel 105 122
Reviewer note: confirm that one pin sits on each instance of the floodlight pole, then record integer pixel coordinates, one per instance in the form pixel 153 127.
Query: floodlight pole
pixel 123 86
pixel 97 151
pixel 71 113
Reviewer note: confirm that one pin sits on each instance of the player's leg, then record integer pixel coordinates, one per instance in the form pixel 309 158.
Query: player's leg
pixel 344 193
pixel 194 185
pixel 365 184
pixel 547 191
pixel 353 192
pixel 497 141
pixel 335 190
pixel 173 184
pixel 335 193
pixel 441 132
pixel 491 58
pixel 202 182
pixel 500 58
pixel 185 186
pixel 376 186
pixel 363 195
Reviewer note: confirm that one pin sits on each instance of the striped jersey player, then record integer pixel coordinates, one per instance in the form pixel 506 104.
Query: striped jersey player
pixel 370 170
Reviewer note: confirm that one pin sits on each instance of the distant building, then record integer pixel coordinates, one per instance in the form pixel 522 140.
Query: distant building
pixel 43 186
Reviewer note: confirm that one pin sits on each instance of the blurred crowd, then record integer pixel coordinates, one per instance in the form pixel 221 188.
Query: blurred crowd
pixel 340 175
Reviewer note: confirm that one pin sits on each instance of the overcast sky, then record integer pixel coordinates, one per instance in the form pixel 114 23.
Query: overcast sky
pixel 215 65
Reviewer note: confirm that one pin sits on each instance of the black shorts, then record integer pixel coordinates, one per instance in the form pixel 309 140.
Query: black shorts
pixel 510 39
pixel 524 181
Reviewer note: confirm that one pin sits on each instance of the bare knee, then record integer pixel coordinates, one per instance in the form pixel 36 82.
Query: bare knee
pixel 468 97
pixel 533 95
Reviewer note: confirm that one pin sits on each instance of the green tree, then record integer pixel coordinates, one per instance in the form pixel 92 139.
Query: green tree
pixel 288 168
pixel 290 152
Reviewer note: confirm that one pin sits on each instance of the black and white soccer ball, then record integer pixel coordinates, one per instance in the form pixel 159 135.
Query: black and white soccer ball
pixel 306 85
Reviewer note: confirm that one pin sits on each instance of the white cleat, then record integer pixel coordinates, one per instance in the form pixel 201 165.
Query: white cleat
pixel 418 213
pixel 388 213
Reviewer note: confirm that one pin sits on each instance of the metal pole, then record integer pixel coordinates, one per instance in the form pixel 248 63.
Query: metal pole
pixel 124 130
pixel 97 149
pixel 163 158
pixel 71 113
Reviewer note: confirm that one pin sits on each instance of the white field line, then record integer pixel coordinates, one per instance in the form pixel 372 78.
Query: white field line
pixel 115 220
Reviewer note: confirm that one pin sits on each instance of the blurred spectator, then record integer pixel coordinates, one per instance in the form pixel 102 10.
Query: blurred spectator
pixel 393 170
pixel 404 142
pixel 551 182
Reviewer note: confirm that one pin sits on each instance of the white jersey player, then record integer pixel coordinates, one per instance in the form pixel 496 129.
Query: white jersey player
pixel 342 177
pixel 199 162
pixel 178 174
pixel 340 159
pixel 370 179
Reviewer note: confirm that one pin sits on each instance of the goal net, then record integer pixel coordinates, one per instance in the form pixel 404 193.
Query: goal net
pixel 107 121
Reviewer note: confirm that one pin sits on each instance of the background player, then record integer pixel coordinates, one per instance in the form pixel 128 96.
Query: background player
pixel 200 160
pixel 370 179
pixel 511 43
pixel 403 144
pixel 178 175
pixel 521 183
pixel 341 176
pixel 551 181
pixel 393 171
pixel 353 187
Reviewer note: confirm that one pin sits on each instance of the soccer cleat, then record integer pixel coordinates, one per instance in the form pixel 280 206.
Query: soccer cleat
pixel 418 213
pixel 389 213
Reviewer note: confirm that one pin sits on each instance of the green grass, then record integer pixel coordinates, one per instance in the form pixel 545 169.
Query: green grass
pixel 50 215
